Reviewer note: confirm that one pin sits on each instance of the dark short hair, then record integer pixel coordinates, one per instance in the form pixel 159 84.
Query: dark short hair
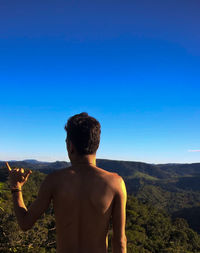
pixel 84 132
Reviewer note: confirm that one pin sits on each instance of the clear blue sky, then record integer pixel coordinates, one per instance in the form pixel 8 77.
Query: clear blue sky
pixel 134 65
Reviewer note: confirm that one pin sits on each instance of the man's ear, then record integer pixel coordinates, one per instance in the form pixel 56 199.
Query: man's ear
pixel 70 147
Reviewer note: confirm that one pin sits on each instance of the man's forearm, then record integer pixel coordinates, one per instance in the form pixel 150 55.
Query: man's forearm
pixel 20 209
pixel 119 246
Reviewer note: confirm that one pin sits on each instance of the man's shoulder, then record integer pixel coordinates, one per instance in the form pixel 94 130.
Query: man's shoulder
pixel 113 178
pixel 117 182
pixel 56 174
pixel 117 179
pixel 113 175
pixel 107 173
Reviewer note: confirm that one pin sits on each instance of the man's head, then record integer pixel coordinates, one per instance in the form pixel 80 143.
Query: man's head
pixel 83 131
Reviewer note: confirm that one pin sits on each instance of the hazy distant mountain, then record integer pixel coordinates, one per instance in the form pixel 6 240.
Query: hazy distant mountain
pixel 32 161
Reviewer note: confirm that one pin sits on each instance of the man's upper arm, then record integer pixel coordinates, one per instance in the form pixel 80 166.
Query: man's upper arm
pixel 40 205
pixel 119 212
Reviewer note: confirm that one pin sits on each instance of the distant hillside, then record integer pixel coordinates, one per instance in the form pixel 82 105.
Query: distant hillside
pixel 170 176
pixel 128 169
pixel 124 168
pixel 173 187
pixel 46 167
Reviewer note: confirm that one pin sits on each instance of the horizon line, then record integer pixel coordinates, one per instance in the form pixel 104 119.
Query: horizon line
pixel 24 160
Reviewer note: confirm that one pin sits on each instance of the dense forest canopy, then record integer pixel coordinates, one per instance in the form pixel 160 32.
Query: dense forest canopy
pixel 172 189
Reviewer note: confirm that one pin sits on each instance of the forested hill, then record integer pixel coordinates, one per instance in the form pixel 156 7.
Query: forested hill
pixel 148 229
pixel 124 168
pixel 184 175
pixel 172 187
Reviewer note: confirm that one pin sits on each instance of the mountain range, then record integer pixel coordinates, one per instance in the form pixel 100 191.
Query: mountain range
pixel 174 188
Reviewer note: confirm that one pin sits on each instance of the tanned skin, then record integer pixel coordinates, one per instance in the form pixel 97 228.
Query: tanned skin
pixel 84 197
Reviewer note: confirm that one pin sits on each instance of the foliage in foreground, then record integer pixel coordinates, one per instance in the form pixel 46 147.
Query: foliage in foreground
pixel 148 230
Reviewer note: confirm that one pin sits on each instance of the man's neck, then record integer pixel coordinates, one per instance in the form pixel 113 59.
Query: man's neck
pixel 84 160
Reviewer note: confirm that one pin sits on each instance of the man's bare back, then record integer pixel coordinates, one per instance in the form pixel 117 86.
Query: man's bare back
pixel 83 198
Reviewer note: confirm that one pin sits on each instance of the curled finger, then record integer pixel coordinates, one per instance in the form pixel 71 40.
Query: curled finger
pixel 22 170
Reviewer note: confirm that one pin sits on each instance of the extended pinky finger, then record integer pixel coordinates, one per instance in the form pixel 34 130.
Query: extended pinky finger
pixel 8 166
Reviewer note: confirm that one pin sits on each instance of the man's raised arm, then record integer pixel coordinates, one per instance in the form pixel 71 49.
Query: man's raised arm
pixel 119 242
pixel 26 218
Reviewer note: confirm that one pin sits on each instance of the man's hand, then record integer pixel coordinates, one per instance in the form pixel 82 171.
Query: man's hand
pixel 17 177
pixel 27 217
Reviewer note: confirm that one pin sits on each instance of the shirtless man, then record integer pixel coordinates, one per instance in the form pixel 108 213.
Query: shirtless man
pixel 84 196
